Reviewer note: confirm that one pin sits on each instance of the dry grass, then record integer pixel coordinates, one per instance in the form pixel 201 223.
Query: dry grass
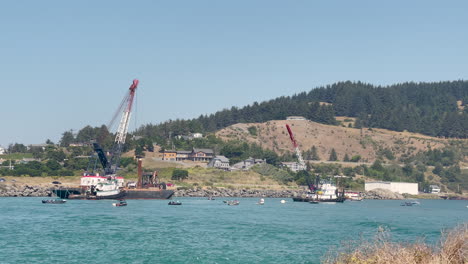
pixel 453 249
pixel 273 135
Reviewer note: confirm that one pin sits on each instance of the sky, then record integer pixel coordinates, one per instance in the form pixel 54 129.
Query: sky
pixel 68 64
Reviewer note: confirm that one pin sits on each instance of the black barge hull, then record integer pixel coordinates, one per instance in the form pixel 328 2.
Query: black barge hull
pixel 78 194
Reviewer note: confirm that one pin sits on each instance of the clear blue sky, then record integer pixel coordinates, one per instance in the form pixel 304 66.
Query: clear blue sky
pixel 67 64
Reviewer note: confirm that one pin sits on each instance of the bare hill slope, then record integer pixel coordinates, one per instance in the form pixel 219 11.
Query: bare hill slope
pixel 369 143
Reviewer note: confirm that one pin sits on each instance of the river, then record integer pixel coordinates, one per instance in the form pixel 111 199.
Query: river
pixel 207 231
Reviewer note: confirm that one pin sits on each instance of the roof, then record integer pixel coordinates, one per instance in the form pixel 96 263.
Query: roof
pixel 222 158
pixel 184 152
pixel 208 151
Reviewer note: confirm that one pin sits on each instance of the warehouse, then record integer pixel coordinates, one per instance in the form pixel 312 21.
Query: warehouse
pixel 398 187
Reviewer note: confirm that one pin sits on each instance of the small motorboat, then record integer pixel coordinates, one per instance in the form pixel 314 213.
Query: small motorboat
pixel 174 203
pixel 120 203
pixel 410 203
pixel 54 201
pixel 233 202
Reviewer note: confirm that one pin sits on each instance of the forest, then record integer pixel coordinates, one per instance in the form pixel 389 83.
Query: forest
pixel 434 109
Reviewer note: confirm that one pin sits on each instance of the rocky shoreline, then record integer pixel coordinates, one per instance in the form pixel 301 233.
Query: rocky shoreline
pixel 24 191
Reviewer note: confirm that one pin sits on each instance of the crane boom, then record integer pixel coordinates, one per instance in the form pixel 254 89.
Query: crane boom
pixel 296 147
pixel 121 133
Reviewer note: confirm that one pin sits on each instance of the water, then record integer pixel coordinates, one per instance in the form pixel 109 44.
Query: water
pixel 204 231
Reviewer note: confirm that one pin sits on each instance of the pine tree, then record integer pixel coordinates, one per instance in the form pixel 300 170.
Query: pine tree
pixel 333 156
pixel 346 158
pixel 313 153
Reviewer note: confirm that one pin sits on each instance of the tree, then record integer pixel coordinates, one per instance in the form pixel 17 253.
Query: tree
pixel 355 158
pixel 333 156
pixel 313 153
pixel 179 174
pixel 346 158
pixel 67 138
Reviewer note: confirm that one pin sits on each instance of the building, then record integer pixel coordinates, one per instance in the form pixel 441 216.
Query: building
pixel 293 166
pixel 170 155
pixel 2 151
pixel 219 162
pixel 398 187
pixel 434 188
pixel 183 155
pixel 295 118
pixel 247 164
pixel 201 154
pixel 197 135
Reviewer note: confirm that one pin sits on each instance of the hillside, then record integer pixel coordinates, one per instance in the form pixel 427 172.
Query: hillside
pixel 368 143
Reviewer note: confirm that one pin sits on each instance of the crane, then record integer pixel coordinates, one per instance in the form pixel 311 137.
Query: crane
pixel 296 148
pixel 110 166
pixel 312 187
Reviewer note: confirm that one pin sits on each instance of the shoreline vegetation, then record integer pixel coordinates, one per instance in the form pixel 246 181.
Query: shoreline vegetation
pixel 451 249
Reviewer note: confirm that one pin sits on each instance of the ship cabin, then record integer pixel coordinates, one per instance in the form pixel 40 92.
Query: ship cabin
pixel 95 179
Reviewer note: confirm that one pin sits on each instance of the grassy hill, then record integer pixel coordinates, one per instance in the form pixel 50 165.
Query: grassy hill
pixel 370 144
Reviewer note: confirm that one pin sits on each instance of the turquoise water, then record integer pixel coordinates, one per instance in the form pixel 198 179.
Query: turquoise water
pixel 203 231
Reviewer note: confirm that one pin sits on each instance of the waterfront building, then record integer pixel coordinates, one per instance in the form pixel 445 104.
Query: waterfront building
pixel 398 187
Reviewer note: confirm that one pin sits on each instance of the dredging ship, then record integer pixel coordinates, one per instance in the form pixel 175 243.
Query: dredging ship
pixel 108 185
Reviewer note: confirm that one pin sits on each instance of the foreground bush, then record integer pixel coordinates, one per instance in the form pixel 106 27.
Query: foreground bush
pixel 453 249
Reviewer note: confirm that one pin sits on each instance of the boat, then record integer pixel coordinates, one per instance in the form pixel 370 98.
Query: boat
pixel 233 202
pixel 105 183
pixel 54 201
pixel 325 193
pixel 174 203
pixel 120 203
pixel 410 203
pixel 353 196
pixel 283 201
pixel 261 201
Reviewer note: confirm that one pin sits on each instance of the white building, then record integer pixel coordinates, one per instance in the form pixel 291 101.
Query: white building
pixel 294 166
pixel 2 151
pixel 197 135
pixel 295 118
pixel 398 187
pixel 219 162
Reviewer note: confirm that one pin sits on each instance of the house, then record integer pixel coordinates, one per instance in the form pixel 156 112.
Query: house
pixel 183 155
pixel 170 155
pixel 219 162
pixel 293 166
pixel 295 118
pixel 398 187
pixel 247 164
pixel 2 151
pixel 197 135
pixel 201 154
pixel 434 188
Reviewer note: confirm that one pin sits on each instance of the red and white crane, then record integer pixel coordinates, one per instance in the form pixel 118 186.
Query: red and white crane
pixel 296 148
pixel 125 109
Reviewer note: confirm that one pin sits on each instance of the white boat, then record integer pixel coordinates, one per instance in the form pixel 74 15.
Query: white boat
pixel 261 201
